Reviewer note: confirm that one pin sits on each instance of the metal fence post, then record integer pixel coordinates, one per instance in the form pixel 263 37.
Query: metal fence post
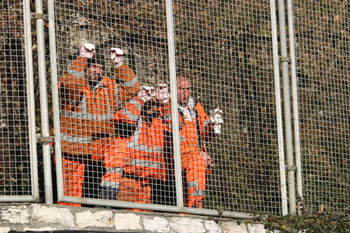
pixel 287 109
pixel 43 101
pixel 31 107
pixel 278 107
pixel 54 85
pixel 295 103
pixel 173 86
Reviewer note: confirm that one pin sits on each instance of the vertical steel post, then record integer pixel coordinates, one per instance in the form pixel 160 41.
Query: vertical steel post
pixel 174 111
pixel 287 107
pixel 55 104
pixel 278 108
pixel 295 102
pixel 45 130
pixel 30 96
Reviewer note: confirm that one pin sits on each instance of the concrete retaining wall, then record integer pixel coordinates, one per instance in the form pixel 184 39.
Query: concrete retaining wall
pixel 50 218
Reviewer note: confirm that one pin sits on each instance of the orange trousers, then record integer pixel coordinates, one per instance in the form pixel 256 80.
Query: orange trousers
pixel 195 171
pixel 73 179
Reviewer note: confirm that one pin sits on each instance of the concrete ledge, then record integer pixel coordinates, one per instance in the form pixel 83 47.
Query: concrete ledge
pixel 41 217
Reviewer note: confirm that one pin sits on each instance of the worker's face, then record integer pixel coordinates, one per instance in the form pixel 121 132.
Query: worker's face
pixel 183 91
pixel 94 73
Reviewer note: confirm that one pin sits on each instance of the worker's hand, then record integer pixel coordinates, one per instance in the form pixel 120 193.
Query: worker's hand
pixel 216 120
pixel 87 50
pixel 146 93
pixel 162 92
pixel 116 56
pixel 208 160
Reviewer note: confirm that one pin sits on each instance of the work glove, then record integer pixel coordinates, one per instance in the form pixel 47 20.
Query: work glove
pixel 162 92
pixel 146 93
pixel 216 119
pixel 87 50
pixel 116 56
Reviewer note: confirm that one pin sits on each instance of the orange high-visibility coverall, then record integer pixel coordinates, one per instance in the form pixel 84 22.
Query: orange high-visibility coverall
pixel 192 131
pixel 131 162
pixel 86 119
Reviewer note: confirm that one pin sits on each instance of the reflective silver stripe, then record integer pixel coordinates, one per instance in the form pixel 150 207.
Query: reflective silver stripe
pixel 206 122
pixel 83 104
pixel 131 83
pixel 198 193
pixel 135 139
pixel 182 138
pixel 193 184
pixel 114 170
pixel 75 139
pixel 84 115
pixel 79 115
pixel 87 116
pixel 145 148
pixel 105 117
pixel 109 116
pixel 144 163
pixel 109 184
pixel 78 74
pixel 136 103
pixel 131 116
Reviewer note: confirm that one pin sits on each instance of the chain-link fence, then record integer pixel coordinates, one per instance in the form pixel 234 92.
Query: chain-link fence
pixel 113 144
pixel 17 161
pixel 322 51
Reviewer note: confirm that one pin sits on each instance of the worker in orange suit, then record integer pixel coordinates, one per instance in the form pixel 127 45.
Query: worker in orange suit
pixel 132 162
pixel 195 127
pixel 87 103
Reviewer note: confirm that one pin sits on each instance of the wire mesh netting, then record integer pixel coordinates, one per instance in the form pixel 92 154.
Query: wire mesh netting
pixel 123 150
pixel 226 48
pixel 117 141
pixel 223 54
pixel 322 39
pixel 15 172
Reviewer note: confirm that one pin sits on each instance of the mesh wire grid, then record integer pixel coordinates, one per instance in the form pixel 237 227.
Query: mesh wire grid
pixel 225 49
pixel 322 52
pixel 15 171
pixel 138 29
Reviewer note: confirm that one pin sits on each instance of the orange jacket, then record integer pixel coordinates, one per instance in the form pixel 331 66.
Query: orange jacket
pixel 141 154
pixel 191 132
pixel 147 143
pixel 86 114
pixel 194 131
